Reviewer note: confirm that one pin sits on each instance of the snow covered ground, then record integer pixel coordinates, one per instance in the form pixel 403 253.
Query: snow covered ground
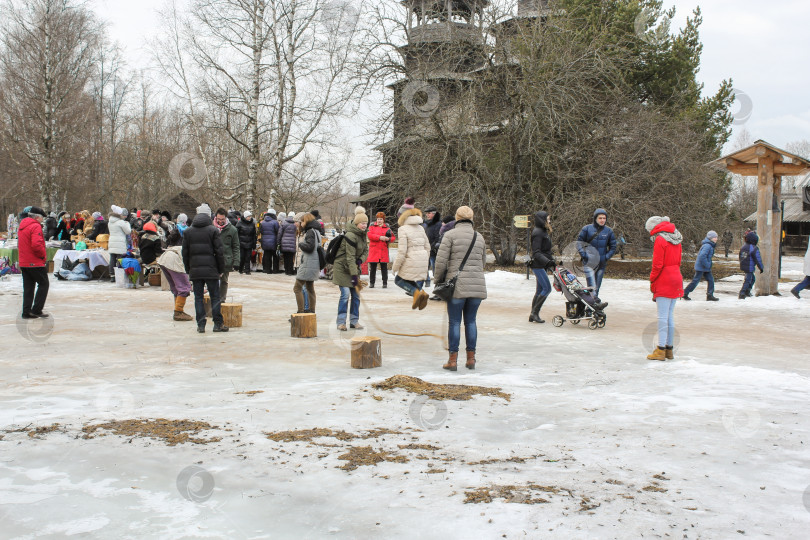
pixel 595 442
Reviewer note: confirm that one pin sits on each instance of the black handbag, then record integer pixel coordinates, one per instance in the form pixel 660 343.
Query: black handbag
pixel 446 289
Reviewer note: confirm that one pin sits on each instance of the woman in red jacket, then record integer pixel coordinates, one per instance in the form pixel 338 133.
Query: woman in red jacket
pixel 379 236
pixel 33 255
pixel 666 281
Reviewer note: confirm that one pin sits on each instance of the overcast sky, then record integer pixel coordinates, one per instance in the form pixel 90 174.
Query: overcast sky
pixel 763 46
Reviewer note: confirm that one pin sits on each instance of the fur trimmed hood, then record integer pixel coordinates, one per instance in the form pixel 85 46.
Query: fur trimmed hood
pixel 408 213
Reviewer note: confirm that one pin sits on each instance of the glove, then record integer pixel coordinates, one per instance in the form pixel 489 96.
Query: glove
pixel 355 280
pixel 551 265
pixel 760 270
pixel 359 262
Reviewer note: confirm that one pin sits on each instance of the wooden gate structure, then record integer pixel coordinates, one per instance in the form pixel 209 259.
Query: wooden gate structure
pixel 769 164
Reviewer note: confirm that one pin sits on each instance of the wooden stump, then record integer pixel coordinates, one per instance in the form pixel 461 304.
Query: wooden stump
pixel 304 325
pixel 366 352
pixel 232 315
pixel 207 305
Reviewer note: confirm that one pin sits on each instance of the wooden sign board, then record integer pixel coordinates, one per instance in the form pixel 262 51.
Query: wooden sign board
pixel 522 222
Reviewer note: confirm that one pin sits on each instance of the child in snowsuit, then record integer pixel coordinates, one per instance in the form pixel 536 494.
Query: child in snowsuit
pixel 750 259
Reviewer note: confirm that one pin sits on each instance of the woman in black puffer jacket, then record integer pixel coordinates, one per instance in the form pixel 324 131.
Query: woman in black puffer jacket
pixel 542 259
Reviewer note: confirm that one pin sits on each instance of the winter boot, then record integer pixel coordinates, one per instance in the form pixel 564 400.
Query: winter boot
pixel 220 328
pixel 537 303
pixel 712 298
pixel 371 285
pixel 742 296
pixel 451 362
pixel 201 327
pixel 794 293
pixel 470 360
pixel 686 296
pixel 670 354
pixel 179 304
pixel 658 354
pixel 423 299
pixel 416 297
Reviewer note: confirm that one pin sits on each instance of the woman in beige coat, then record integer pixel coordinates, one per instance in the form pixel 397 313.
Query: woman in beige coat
pixel 413 257
pixel 471 286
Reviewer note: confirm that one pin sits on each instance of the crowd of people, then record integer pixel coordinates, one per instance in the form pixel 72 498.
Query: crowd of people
pixel 198 257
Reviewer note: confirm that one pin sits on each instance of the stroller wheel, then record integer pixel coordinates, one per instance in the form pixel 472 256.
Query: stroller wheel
pixel 592 324
pixel 575 321
pixel 601 323
pixel 557 321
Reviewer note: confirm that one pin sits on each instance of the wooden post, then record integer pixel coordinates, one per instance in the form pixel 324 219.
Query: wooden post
pixel 765 219
pixel 366 352
pixel 232 314
pixel 303 325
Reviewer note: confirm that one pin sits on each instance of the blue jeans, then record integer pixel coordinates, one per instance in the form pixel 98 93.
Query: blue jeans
pixel 666 320
pixel 748 284
pixel 199 300
pixel 695 280
pixel 594 278
pixel 343 306
pixel 543 284
pixel 805 283
pixel 431 266
pixel 468 308
pixel 409 286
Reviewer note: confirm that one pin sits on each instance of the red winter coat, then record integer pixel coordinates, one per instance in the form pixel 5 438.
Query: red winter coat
pixel 31 244
pixel 378 249
pixel 666 279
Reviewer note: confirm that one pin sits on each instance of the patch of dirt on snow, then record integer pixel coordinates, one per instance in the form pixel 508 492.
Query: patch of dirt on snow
pixel 171 431
pixel 515 459
pixel 526 494
pixel 414 446
pixel 251 392
pixel 358 456
pixel 439 392
pixel 306 435
pixel 35 433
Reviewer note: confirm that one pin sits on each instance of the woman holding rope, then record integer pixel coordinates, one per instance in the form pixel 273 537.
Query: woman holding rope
pixel 462 255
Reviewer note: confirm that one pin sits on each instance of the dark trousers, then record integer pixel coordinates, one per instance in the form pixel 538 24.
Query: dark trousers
pixel 270 261
pixel 372 272
pixel 199 302
pixel 244 263
pixel 289 263
pixel 31 278
pixel 748 284
pixel 698 276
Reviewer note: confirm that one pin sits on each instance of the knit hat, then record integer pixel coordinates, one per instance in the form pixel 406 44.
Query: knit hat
pixel 359 210
pixel 117 210
pixel 247 214
pixel 182 218
pixel 52 214
pixel 380 215
pixel 464 212
pixel 360 218
pixel 315 213
pixel 711 234
pixel 204 209
pixel 150 226
pixel 271 211
pixel 752 238
pixel 36 210
pixel 410 201
pixel 653 222
pixel 96 215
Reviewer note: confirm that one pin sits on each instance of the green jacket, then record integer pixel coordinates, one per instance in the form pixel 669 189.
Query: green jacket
pixel 230 241
pixel 347 256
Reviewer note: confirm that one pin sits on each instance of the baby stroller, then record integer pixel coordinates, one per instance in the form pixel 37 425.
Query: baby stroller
pixel 580 302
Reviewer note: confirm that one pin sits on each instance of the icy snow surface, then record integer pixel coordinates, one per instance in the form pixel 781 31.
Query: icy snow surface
pixel 724 426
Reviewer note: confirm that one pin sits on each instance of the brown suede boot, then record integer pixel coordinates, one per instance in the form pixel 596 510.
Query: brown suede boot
pixel 658 354
pixel 470 360
pixel 179 304
pixel 451 362
pixel 423 299
pixel 669 352
pixel 416 297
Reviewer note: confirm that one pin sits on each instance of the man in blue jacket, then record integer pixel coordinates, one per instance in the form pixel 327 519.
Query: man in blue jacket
pixel 600 237
pixel 703 268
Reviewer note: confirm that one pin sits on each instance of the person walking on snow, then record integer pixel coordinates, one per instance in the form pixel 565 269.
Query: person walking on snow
pixel 204 262
pixel 346 271
pixel 750 260
pixel 542 259
pixel 33 265
pixel 600 237
pixel 703 268
pixel 666 281
pixel 413 255
pixel 805 283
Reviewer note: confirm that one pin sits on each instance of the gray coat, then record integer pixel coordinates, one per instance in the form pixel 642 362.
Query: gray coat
pixel 310 268
pixel 455 243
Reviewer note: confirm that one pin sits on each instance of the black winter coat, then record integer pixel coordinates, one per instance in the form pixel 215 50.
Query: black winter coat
pixel 203 254
pixel 247 233
pixel 99 227
pixel 432 228
pixel 541 242
pixel 50 228
pixel 150 247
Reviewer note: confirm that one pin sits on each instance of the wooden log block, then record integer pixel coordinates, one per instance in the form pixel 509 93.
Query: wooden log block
pixel 207 305
pixel 232 314
pixel 366 352
pixel 303 325
pixel 50 267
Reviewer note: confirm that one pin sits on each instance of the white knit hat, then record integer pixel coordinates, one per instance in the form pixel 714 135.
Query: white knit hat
pixel 204 209
pixel 359 210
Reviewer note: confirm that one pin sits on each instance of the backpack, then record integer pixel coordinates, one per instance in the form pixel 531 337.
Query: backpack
pixel 334 246
pixel 745 257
